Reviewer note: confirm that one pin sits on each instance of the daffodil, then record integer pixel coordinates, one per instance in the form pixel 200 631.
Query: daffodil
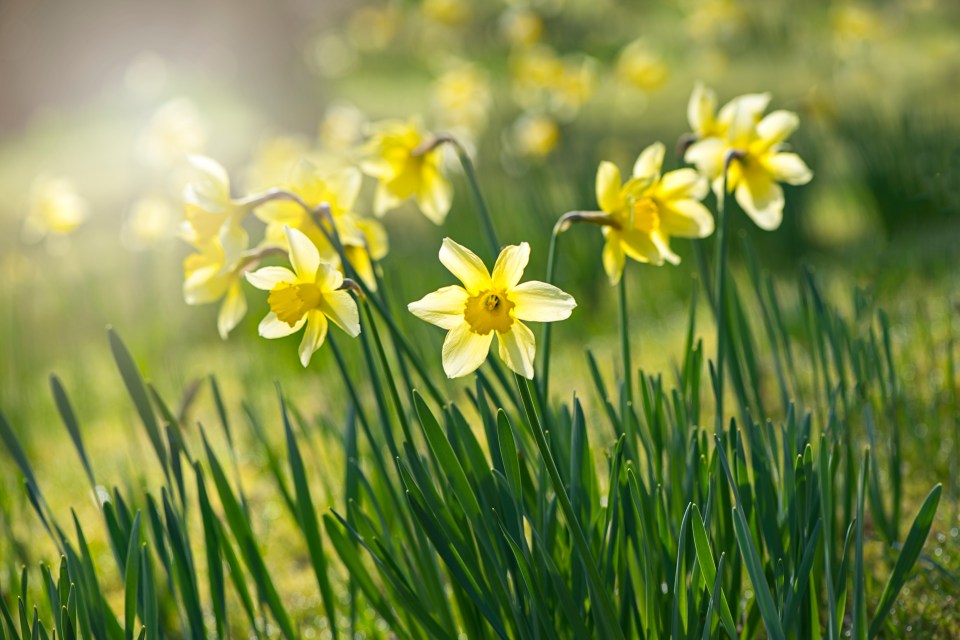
pixel 175 131
pixel 55 209
pixel 213 273
pixel 487 305
pixel 758 163
pixel 394 156
pixel 648 210
pixel 535 135
pixel 308 296
pixel 640 67
pixel 363 239
pixel 706 122
pixel 209 211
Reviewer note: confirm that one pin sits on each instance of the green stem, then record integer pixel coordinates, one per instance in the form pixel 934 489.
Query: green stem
pixel 625 342
pixel 720 282
pixel 547 332
pixel 471 173
pixel 606 614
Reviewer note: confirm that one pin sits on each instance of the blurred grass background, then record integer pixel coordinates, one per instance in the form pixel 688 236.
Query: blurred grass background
pixel 88 93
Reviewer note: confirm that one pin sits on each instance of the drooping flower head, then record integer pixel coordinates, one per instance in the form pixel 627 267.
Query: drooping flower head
pixel 213 273
pixel 308 296
pixel 209 211
pixel 394 156
pixel 755 146
pixel 363 239
pixel 648 210
pixel 487 305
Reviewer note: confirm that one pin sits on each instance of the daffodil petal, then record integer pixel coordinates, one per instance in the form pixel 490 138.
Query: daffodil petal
pixel 346 185
pixel 613 258
pixel 384 200
pixel 707 156
pixel 682 183
pixel 328 278
pixel 749 105
pixel 376 237
pixel 234 241
pixel 541 302
pixel 701 109
pixel 789 168
pixel 464 351
pixel 662 243
pixel 517 348
pixel 609 187
pixel 304 255
pixel 273 327
pixel 443 308
pixel 266 278
pixel 204 285
pixel 313 337
pixel 649 162
pixel 686 218
pixel 639 246
pixel 762 199
pixel 510 265
pixel 435 196
pixel 232 309
pixel 777 127
pixel 340 307
pixel 465 265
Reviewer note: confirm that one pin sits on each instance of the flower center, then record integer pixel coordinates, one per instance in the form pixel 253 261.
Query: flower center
pixel 646 215
pixel 488 311
pixel 291 301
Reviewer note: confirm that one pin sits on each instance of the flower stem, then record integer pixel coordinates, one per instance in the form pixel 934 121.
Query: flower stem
pixel 625 342
pixel 471 173
pixel 720 282
pixel 547 332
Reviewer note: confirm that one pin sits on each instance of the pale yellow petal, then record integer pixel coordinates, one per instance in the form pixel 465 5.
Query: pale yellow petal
pixel 680 184
pixel 304 255
pixel 435 195
pixel 518 348
pixel 266 278
pixel 777 127
pixel 376 237
pixel 701 109
pixel 464 351
pixel 749 105
pixel 340 307
pixel 346 185
pixel 384 200
pixel 273 327
pixel 707 156
pixel 232 309
pixel 649 162
pixel 640 246
pixel 204 285
pixel 443 308
pixel 510 265
pixel 313 337
pixel 762 199
pixel 541 302
pixel 608 186
pixel 686 218
pixel 789 168
pixel 465 265
pixel 662 243
pixel 329 277
pixel 613 258
pixel 234 241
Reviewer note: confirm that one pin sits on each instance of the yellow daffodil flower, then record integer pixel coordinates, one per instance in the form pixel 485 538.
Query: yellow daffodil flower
pixel 363 239
pixel 175 131
pixel 521 26
pixel 758 162
pixel 55 209
pixel 649 209
pixel 638 66
pixel 535 135
pixel 212 274
pixel 403 174
pixel 490 304
pixel 462 99
pixel 308 296
pixel 706 122
pixel 209 211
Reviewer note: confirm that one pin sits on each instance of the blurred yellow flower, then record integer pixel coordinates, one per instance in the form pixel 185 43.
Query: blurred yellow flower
pixel 373 28
pixel 648 210
pixel 462 98
pixel 706 122
pixel 488 304
pixel 307 296
pixel 394 157
pixel 758 163
pixel 639 67
pixel 274 160
pixel 152 218
pixel 341 127
pixel 521 26
pixel 212 273
pixel 54 209
pixel 210 214
pixel 535 135
pixel 363 239
pixel 452 13
pixel 542 81
pixel 175 131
